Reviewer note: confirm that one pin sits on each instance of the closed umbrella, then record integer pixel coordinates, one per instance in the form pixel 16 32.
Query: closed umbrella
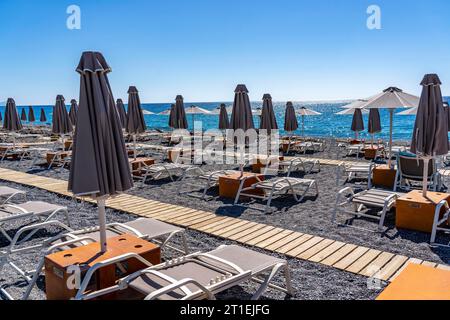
pixel 290 118
pixel 23 115
pixel 241 117
pixel 43 117
pixel 122 113
pixel 135 118
pixel 100 166
pixel 391 99
pixel 31 117
pixel 374 126
pixel 180 114
pixel 447 111
pixel 1 117
pixel 357 122
pixel 61 124
pixel 12 122
pixel 73 112
pixel 268 119
pixel 172 116
pixel 430 135
pixel 305 112
pixel 224 121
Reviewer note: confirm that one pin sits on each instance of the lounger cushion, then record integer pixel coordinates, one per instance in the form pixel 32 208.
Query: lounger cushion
pixel 36 207
pixel 152 228
pixel 246 259
pixel 148 283
pixel 7 191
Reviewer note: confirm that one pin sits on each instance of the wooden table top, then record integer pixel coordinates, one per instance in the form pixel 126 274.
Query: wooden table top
pixel 419 282
pixel 90 254
pixel 417 197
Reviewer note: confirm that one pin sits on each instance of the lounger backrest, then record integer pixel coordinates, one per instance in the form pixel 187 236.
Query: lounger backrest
pixel 412 168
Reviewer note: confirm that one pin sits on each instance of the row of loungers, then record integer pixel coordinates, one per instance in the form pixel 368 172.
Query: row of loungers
pixel 191 276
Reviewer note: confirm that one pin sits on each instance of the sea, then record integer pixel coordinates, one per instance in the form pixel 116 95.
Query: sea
pixel 328 124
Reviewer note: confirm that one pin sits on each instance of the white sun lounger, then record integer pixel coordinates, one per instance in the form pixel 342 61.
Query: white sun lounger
pixel 196 276
pixel 441 222
pixel 148 229
pixel 355 170
pixel 290 166
pixel 7 194
pixel 163 170
pixel 364 202
pixel 277 187
pixel 40 210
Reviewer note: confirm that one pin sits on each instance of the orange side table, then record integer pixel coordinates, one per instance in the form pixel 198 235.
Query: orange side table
pixel 419 282
pixel 261 163
pixel 57 264
pixel 139 163
pixel 229 184
pixel 371 153
pixel 414 212
pixel 383 176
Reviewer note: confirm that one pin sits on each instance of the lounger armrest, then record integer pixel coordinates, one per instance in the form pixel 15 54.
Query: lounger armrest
pixel 8 205
pixel 82 241
pixel 346 190
pixel 95 267
pixel 177 285
pixel 126 228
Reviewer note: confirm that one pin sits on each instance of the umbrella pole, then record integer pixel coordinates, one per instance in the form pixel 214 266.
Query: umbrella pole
pixel 391 125
pixel 426 161
pixel 303 126
pixel 62 140
pixel 134 146
pixel 102 223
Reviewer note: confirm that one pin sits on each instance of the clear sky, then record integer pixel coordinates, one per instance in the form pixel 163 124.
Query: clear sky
pixel 294 49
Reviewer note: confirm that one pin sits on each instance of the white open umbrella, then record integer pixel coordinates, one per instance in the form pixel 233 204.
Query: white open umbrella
pixel 305 112
pixel 193 110
pixel 146 112
pixel 164 113
pixel 392 98
pixel 351 111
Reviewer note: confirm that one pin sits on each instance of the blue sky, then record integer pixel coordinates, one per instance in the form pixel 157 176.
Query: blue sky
pixel 294 49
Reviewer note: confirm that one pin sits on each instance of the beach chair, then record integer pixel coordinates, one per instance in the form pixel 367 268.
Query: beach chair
pixel 196 276
pixel 39 210
pixel 290 166
pixel 210 179
pixel 355 170
pixel 163 170
pixel 441 222
pixel 277 187
pixel 410 169
pixel 147 229
pixel 60 158
pixel 364 203
pixel 7 194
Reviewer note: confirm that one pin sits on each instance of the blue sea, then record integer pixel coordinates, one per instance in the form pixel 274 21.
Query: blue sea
pixel 326 125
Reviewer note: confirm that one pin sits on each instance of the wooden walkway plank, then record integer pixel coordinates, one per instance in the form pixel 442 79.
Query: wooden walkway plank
pixel 391 268
pixel 304 246
pixel 218 231
pixel 246 238
pixel 246 232
pixel 283 242
pixel 376 265
pixel 363 261
pixel 294 243
pixel 350 258
pixel 229 233
pixel 264 236
pixel 407 263
pixel 306 255
pixel 328 251
pixel 339 255
pixel 267 242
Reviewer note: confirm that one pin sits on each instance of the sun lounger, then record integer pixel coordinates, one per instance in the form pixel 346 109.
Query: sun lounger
pixel 353 171
pixel 7 194
pixel 196 276
pixel 60 158
pixel 42 211
pixel 290 166
pixel 411 169
pixel 441 222
pixel 277 187
pixel 363 204
pixel 152 230
pixel 163 170
pixel 210 179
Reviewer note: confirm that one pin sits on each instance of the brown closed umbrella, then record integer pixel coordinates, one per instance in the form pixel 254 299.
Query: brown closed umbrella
pixel 241 116
pixel 100 166
pixel 268 119
pixel 180 114
pixel 73 112
pixel 122 113
pixel 224 121
pixel 23 115
pixel 172 116
pixel 357 122
pixel 135 117
pixel 43 117
pixel 12 122
pixel 430 135
pixel 290 118
pixel 31 117
pixel 447 111
pixel 374 125
pixel 61 124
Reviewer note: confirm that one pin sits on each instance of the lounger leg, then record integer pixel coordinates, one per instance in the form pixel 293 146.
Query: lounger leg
pixel 2 231
pixel 288 280
pixel 382 218
pixel 238 195
pixel 266 282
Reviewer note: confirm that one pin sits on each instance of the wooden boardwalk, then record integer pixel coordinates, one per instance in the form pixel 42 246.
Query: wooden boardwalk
pixel 343 256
